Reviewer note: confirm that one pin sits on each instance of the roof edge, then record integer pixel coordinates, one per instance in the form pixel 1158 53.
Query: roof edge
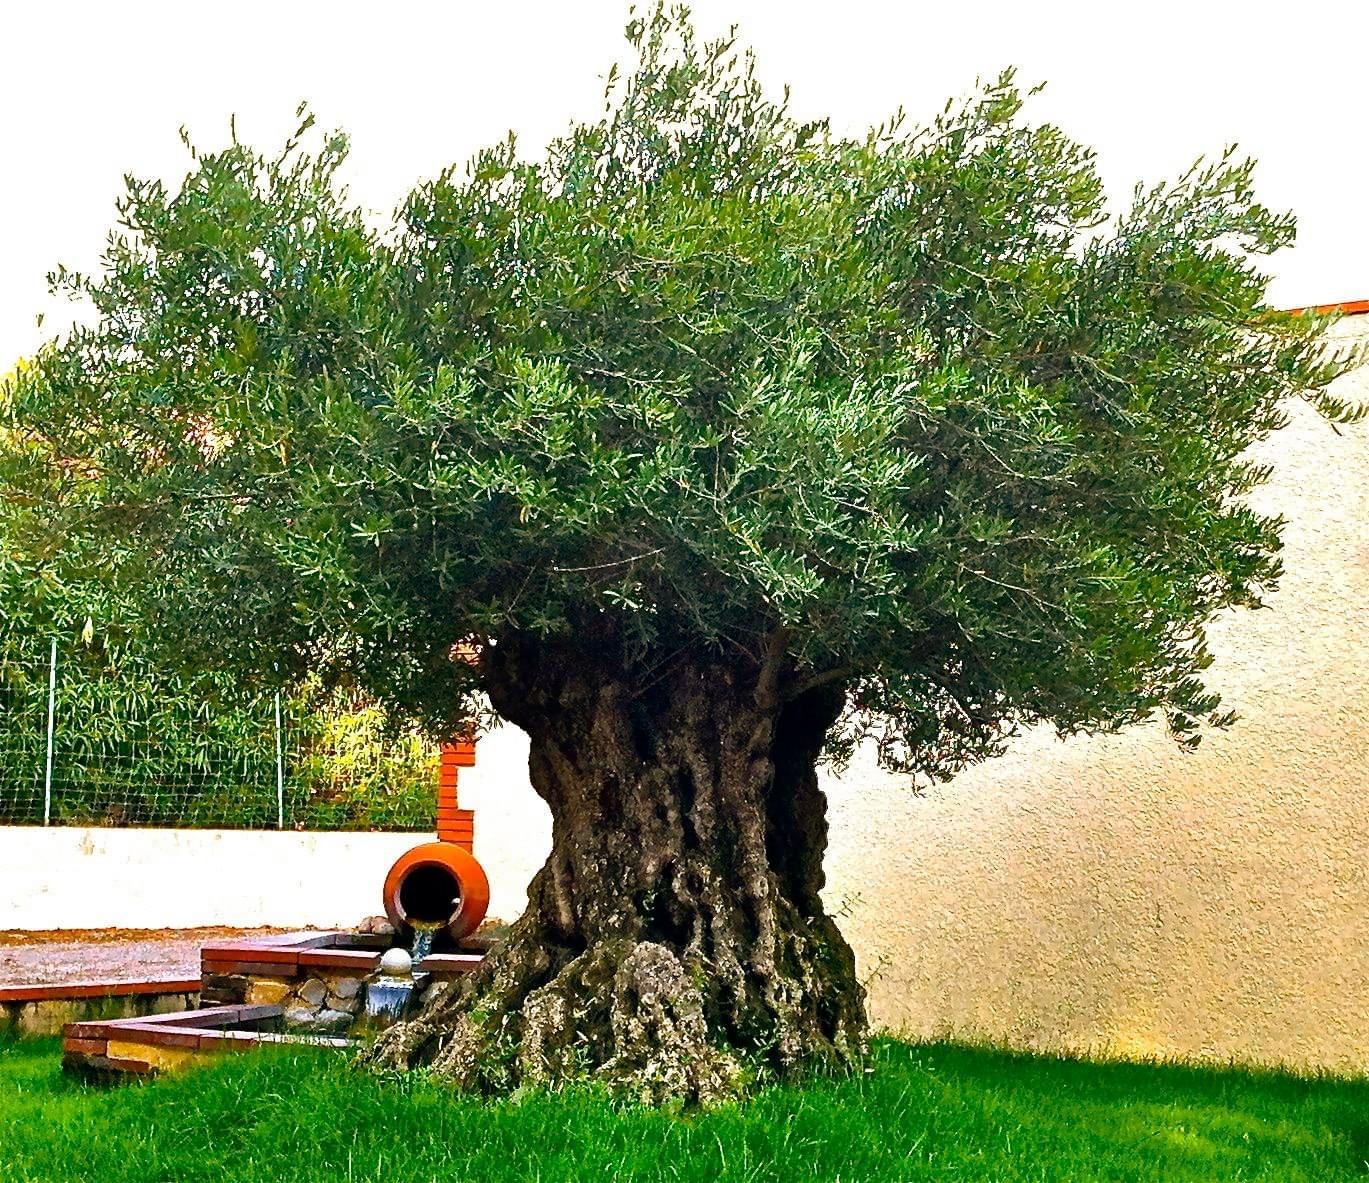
pixel 1344 308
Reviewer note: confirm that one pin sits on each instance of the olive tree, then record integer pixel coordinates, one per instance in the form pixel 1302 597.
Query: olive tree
pixel 726 443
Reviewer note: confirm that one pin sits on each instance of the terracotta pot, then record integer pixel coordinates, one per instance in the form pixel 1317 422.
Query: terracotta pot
pixel 437 883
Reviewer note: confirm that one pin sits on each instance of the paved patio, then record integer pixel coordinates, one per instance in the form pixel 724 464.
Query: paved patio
pixel 107 955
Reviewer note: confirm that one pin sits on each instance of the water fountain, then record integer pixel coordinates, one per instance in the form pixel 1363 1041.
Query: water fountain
pixel 390 990
pixel 327 986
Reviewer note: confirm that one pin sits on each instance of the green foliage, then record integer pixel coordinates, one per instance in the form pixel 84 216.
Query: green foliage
pixel 353 768
pixel 136 745
pixel 933 1112
pixel 905 408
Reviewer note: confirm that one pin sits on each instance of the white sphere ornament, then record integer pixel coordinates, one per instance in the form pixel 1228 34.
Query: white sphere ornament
pixel 396 963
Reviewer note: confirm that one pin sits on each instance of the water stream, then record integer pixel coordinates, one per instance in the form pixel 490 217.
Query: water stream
pixel 424 932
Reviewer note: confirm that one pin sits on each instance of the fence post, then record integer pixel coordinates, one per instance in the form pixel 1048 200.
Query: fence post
pixel 52 712
pixel 280 771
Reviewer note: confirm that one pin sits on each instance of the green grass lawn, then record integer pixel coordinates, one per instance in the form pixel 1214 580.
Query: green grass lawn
pixel 923 1112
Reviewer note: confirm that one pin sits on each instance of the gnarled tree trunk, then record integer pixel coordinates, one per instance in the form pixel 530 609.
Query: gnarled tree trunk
pixel 675 938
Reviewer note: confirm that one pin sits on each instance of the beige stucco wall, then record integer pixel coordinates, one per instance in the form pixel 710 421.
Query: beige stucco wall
pixel 1114 894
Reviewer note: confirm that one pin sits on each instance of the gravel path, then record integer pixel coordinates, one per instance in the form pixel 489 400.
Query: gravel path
pixel 106 955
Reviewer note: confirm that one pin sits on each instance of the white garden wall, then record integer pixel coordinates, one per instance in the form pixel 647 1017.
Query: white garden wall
pixel 69 877
pixel 77 877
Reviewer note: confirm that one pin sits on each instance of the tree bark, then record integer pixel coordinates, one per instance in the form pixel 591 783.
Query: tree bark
pixel 674 945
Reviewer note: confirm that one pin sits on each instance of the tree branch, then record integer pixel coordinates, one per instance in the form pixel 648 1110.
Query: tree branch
pixel 772 661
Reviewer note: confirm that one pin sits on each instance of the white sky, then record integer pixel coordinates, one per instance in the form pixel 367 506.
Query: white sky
pixel 90 91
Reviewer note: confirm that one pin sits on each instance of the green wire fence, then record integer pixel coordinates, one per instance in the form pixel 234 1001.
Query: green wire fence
pixel 91 739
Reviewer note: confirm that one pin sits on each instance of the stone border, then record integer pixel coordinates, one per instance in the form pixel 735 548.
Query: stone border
pixel 144 1046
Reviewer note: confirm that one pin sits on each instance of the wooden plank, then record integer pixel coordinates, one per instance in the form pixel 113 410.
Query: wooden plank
pixel 134 1067
pixel 64 990
pixel 218 1016
pixel 209 1016
pixel 370 940
pixel 84 1047
pixel 339 959
pixel 304 939
pixel 242 1041
pixel 161 1035
pixel 88 1029
pixel 246 952
pixel 451 964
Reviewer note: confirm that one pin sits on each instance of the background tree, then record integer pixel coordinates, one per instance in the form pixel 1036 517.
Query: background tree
pixel 729 442
pixel 142 742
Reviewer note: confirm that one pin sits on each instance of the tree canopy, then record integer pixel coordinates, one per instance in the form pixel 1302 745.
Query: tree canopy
pixel 705 372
